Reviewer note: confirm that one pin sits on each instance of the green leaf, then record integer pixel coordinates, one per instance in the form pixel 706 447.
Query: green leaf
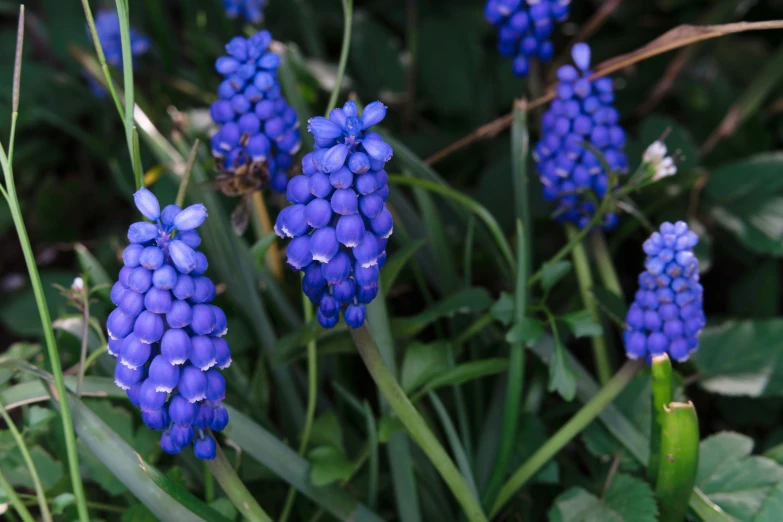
pixel 746 199
pixel 62 501
pixel 562 378
pixel 39 418
pixel 527 331
pixel 328 465
pixel 467 372
pixel 19 313
pixel 582 324
pixel 224 506
pixel 530 437
pixel 462 302
pixel 611 305
pixel 734 479
pixel 259 249
pixel 327 431
pixel 551 273
pixel 96 273
pixel 772 506
pixel 627 499
pixel 397 261
pixel 422 362
pixel 503 309
pixel 758 373
pixel 388 426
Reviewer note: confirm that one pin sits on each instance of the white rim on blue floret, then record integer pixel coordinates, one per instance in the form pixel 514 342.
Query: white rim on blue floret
pixel 338 221
pixel 164 306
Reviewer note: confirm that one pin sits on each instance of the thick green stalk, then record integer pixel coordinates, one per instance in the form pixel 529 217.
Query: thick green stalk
pixel 662 391
pixel 677 471
pixel 43 505
pixel 338 82
pixel 603 261
pixel 585 279
pixel 51 345
pixel 15 501
pixel 415 424
pixel 564 435
pixel 233 487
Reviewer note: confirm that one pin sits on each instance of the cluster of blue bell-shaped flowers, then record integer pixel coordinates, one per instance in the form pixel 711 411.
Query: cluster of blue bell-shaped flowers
pixel 107 27
pixel 524 28
pixel 165 334
pixel 582 112
pixel 338 220
pixel 250 10
pixel 667 314
pixel 258 127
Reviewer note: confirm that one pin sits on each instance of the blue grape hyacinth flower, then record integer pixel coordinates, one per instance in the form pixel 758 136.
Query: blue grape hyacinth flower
pixel 165 334
pixel 582 112
pixel 524 28
pixel 338 220
pixel 258 129
pixel 107 26
pixel 667 314
pixel 251 10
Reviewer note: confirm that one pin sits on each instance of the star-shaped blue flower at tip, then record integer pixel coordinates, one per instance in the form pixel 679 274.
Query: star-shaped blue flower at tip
pixel 582 112
pixel 667 314
pixel 338 221
pixel 525 28
pixel 165 333
pixel 259 130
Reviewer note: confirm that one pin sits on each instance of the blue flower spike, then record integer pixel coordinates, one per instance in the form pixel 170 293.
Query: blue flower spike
pixel 259 131
pixel 338 221
pixel 573 177
pixel 250 10
pixel 667 314
pixel 525 28
pixel 165 334
pixel 107 26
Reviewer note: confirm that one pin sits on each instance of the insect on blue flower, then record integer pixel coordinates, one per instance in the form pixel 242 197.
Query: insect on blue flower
pixel 165 333
pixel 667 314
pixel 250 10
pixel 581 113
pixel 338 221
pixel 524 29
pixel 107 26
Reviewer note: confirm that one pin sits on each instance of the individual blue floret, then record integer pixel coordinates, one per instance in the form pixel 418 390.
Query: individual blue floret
pixel 582 112
pixel 259 131
pixel 524 28
pixel 251 10
pixel 338 220
pixel 667 314
pixel 107 25
pixel 165 333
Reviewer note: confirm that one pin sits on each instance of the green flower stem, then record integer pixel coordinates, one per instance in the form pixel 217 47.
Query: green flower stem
pixel 312 395
pixel 101 57
pixel 467 202
pixel 123 13
pixel 415 424
pixel 51 345
pixel 605 265
pixel 677 471
pixel 571 429
pixel 233 487
pixel 662 391
pixel 514 381
pixel 338 82
pixel 23 512
pixel 46 515
pixel 585 279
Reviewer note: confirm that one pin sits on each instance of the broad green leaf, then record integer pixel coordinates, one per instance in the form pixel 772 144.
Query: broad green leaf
pixel 734 479
pixel 328 465
pixel 772 507
pixel 626 499
pixel 746 198
pixel 562 378
pixel 582 324
pixel 758 373
pixel 422 362
pixel 503 309
pixel 527 330
pixel 62 501
pixel 326 431
pixel 397 261
pixel 39 418
pixel 50 471
pixel 462 302
pixel 551 273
